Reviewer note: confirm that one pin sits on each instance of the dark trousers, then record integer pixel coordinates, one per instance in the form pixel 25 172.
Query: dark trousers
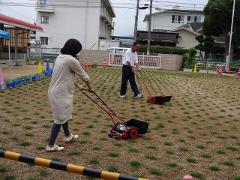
pixel 55 130
pixel 128 74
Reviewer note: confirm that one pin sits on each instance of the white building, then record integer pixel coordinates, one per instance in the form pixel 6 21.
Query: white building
pixel 85 20
pixel 187 35
pixel 187 23
pixel 171 19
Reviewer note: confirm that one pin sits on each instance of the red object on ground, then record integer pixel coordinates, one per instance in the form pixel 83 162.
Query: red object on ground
pixel 151 100
pixel 238 72
pixel 220 71
pixel 18 23
pixel 229 71
pixel 85 66
pixel 121 129
pixel 150 89
pixel 133 133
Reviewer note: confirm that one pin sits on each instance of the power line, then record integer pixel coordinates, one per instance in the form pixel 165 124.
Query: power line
pixel 95 6
pixel 171 2
pixel 131 1
pixel 22 14
pixel 79 3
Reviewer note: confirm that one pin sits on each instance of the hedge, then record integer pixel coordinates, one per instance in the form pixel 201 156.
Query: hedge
pixel 163 50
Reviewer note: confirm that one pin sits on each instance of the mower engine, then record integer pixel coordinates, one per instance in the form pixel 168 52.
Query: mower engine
pixel 121 131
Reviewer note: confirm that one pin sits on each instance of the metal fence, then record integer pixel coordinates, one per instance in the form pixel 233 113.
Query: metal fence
pixel 44 53
pixel 144 61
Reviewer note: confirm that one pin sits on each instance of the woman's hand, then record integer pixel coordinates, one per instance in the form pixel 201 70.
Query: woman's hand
pixel 90 90
pixel 89 87
pixel 81 88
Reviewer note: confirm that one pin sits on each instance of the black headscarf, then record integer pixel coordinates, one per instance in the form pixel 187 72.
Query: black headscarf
pixel 72 47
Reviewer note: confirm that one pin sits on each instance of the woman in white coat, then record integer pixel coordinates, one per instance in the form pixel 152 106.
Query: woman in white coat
pixel 61 89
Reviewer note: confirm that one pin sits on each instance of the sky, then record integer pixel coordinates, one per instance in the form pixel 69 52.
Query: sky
pixel 125 11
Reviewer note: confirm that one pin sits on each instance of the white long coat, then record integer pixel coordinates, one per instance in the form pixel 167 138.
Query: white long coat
pixel 61 88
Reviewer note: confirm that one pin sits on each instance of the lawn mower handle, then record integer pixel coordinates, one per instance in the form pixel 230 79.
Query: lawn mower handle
pixel 107 109
pixel 147 86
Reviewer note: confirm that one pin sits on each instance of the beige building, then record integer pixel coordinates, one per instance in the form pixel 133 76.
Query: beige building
pixel 187 35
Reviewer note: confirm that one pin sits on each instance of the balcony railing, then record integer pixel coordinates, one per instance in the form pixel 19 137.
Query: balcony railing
pixel 44 7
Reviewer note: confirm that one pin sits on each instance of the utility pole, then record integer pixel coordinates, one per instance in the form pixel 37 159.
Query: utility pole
pixel 136 21
pixel 149 27
pixel 231 34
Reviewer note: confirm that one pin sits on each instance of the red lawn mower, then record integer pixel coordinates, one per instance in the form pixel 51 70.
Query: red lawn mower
pixel 150 89
pixel 121 129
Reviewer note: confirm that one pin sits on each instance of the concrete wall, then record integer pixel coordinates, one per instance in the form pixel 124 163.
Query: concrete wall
pixel 168 61
pixel 93 57
pixel 171 62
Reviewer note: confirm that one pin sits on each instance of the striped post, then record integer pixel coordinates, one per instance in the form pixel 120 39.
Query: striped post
pixel 66 167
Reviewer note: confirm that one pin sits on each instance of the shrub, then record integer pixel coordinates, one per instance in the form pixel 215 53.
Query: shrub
pixel 189 58
pixel 163 50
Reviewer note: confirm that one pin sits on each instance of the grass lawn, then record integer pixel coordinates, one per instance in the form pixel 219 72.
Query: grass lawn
pixel 196 133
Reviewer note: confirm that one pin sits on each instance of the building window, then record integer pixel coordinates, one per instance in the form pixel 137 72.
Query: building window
pixel 43 2
pixel 44 19
pixel 44 40
pixel 194 19
pixel 177 19
pixel 189 19
pixel 199 19
pixel 173 18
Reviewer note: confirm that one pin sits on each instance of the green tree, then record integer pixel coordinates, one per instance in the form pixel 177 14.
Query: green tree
pixel 217 22
pixel 206 45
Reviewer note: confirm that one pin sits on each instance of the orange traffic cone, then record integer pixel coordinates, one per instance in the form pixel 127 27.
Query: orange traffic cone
pixel 219 71
pixel 229 71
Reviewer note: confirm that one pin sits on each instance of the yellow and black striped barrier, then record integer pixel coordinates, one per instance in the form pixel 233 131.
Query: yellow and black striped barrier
pixel 66 167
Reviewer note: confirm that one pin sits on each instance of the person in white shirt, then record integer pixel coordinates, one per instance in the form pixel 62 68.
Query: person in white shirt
pixel 130 63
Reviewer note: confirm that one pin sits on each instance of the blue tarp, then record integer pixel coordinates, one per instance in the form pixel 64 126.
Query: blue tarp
pixel 4 34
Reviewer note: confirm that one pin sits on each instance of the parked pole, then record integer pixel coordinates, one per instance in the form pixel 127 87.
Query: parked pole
pixel 136 21
pixel 230 41
pixel 66 167
pixel 9 53
pixel 16 44
pixel 149 28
